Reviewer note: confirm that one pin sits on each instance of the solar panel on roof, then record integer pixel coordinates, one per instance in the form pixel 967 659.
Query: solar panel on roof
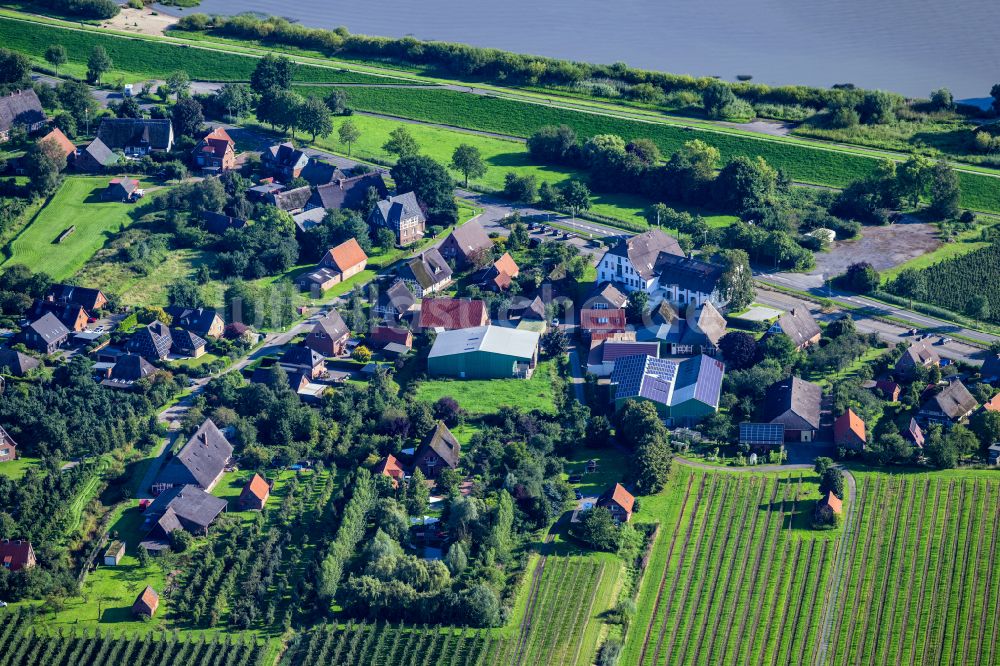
pixel 762 433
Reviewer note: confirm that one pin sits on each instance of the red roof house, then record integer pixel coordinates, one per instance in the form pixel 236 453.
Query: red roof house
pixel 255 493
pixel 384 335
pixel 601 322
pixel 619 502
pixel 146 603
pixel 216 152
pixel 59 140
pixel 453 313
pixel 390 467
pixel 849 431
pixel 993 404
pixel 16 555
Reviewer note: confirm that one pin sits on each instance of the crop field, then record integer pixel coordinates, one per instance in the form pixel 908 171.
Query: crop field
pixel 387 645
pixel 736 576
pixel 22 646
pixel 919 586
pixel 77 203
pixel 802 162
pixel 151 58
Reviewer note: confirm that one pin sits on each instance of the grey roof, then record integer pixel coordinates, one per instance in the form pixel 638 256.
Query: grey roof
pixel 332 325
pixel 702 326
pixel 612 350
pixel 201 460
pixel 348 192
pixel 318 172
pixel 608 293
pixel 286 155
pixel 918 354
pixel 954 401
pixel 799 325
pixel 390 212
pixel 309 218
pixel 16 362
pixel 319 276
pixel 534 310
pixel 189 504
pixel 20 108
pixel 398 296
pixel 290 199
pixel 669 382
pixel 301 356
pixel 692 274
pixel 643 250
pixel 797 396
pixel 197 320
pixel 49 328
pixel 426 269
pixel 266 188
pixel 471 237
pixel 492 339
pixel 119 133
pixel 131 368
pixel 443 443
pixel 98 151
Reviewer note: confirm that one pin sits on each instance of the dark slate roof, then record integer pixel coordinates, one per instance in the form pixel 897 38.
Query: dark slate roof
pixel 188 503
pixel 67 313
pixel 397 208
pixel 318 172
pixel 18 363
pixel 918 354
pixel 197 320
pixel 426 269
pixel 217 223
pixel 799 325
pixel 688 273
pixel 954 401
pixel 49 328
pixel 290 199
pixel 348 192
pixel 20 108
pixel 443 443
pixel 186 341
pixel 286 155
pixel 301 356
pixel 201 460
pixel 991 366
pixel 100 153
pixel 534 310
pixel 82 296
pixel 118 133
pixel 153 341
pixel 131 368
pixel 796 395
pixel 644 249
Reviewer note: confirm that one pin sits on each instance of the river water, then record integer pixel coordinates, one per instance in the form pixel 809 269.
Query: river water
pixel 909 46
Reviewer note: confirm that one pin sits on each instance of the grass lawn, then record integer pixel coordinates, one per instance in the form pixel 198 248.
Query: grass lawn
pixel 501 156
pixel 484 396
pixel 15 469
pixel 76 203
pixel 826 379
pixel 204 359
pixel 612 468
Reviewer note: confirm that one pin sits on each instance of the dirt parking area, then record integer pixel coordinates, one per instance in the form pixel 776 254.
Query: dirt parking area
pixel 882 247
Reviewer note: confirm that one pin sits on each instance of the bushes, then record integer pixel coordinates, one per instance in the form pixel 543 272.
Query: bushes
pixel 353 523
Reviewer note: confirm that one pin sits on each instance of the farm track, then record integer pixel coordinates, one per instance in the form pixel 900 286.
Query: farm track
pixel 670 554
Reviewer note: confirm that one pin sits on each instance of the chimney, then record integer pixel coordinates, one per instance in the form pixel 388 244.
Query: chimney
pixel 793 312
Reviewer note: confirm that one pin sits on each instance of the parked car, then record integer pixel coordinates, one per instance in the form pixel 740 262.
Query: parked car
pixel 912 331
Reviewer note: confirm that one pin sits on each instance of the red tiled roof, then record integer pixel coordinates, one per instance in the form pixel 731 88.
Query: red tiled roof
pixel 848 423
pixel 390 467
pixel 506 264
pixel 345 256
pixel 387 334
pixel 219 134
pixel 993 404
pixel 618 495
pixel 59 139
pixel 452 313
pixel 833 502
pixel 15 554
pixel 602 320
pixel 257 487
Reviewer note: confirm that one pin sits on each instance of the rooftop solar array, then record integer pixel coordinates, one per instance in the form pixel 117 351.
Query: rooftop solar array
pixel 762 433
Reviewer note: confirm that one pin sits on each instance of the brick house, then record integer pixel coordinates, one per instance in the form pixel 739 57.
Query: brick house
pixel 849 431
pixel 216 152
pixel 466 245
pixel 8 447
pixel 390 467
pixel 402 216
pixel 619 502
pixel 439 450
pixel 254 495
pixel 46 334
pixel 16 554
pixel 329 336
pixel 146 603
